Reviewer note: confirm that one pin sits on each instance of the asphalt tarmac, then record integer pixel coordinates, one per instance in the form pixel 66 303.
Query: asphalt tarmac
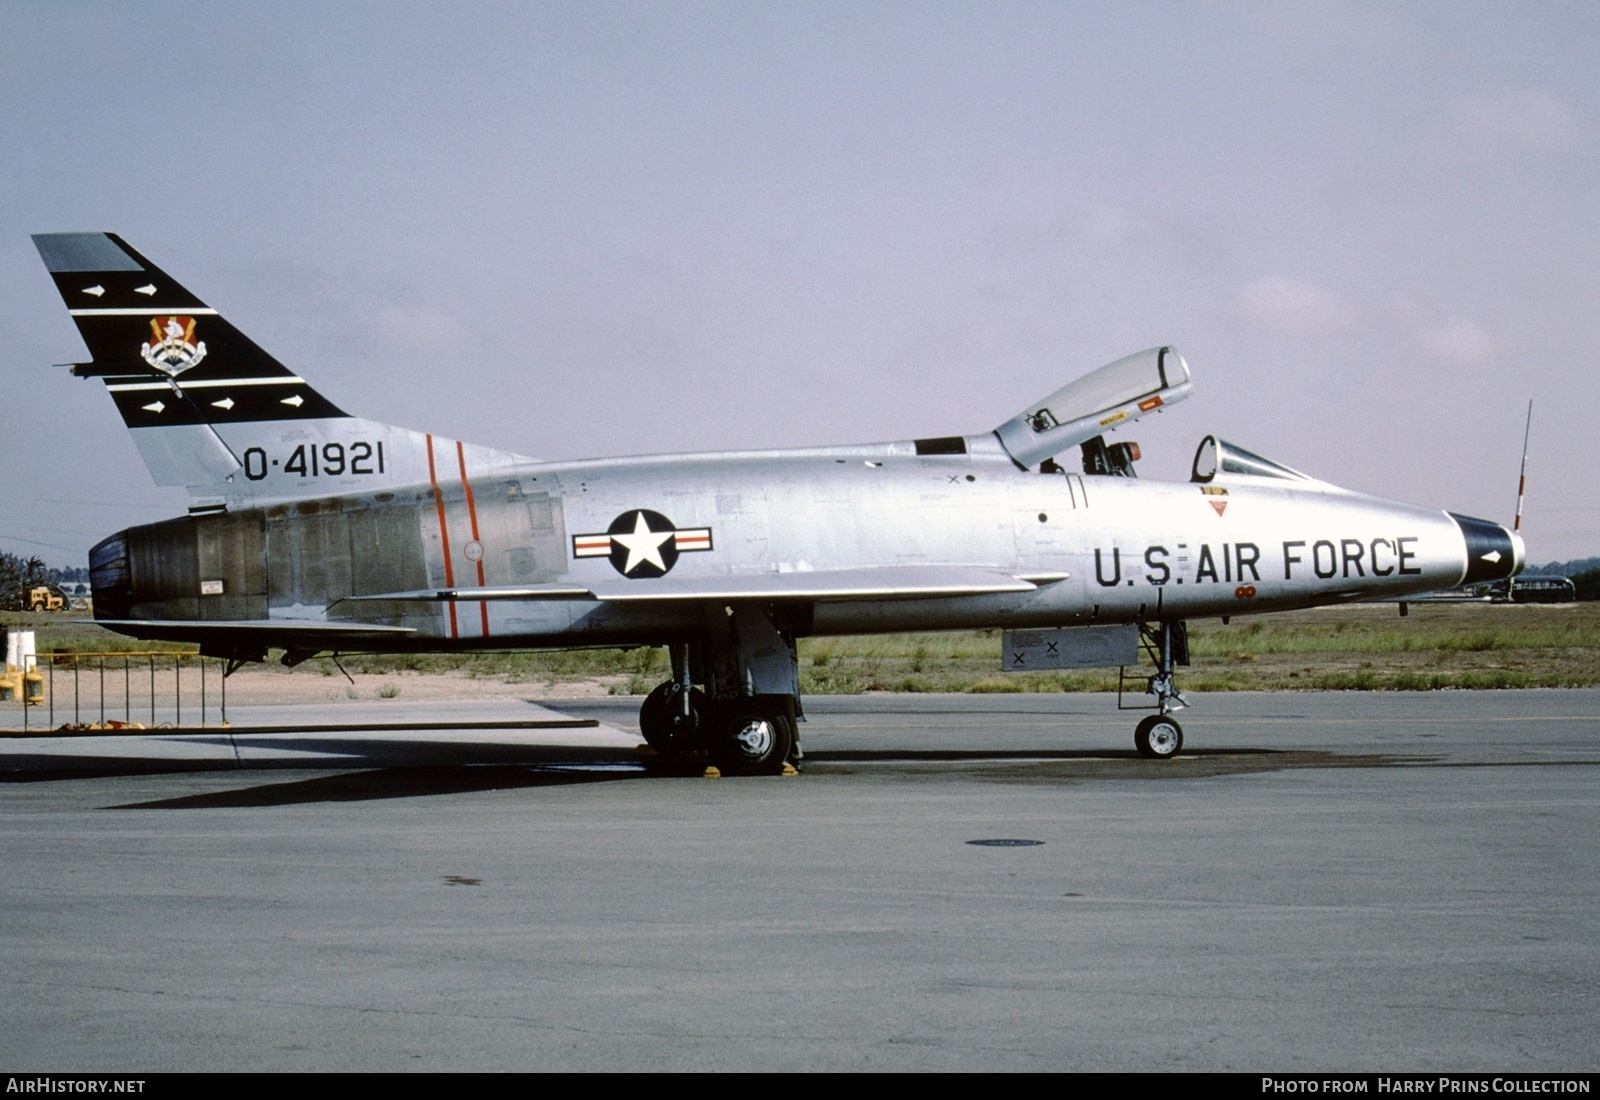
pixel 1333 882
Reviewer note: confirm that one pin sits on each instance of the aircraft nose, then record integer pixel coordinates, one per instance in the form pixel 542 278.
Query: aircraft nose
pixel 1519 552
pixel 1493 553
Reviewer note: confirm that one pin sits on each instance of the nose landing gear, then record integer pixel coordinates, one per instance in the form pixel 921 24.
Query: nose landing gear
pixel 1159 736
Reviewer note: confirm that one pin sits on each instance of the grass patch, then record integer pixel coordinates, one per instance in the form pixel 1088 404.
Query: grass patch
pixel 1354 648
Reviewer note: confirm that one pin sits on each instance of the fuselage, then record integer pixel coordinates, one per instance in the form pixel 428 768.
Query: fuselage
pixel 311 530
pixel 1101 549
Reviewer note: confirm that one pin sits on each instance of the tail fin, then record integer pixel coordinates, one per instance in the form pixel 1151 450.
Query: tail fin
pixel 207 407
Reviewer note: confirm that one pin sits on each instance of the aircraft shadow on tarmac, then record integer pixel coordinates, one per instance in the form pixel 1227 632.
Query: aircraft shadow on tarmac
pixel 1004 766
pixel 1070 766
pixel 362 786
pixel 241 752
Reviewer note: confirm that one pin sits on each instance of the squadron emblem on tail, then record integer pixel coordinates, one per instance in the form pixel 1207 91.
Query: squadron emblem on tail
pixel 172 347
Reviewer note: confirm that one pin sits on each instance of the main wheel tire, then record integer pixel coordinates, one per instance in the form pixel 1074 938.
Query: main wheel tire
pixel 662 721
pixel 753 741
pixel 1158 737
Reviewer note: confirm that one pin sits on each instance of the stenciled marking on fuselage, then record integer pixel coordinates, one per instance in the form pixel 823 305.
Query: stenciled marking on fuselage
pixel 1240 562
pixel 325 460
pixel 642 543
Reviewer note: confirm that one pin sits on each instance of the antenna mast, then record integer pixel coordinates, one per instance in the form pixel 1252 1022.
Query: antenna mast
pixel 1522 478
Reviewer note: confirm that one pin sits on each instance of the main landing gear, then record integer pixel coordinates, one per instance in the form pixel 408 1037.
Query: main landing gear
pixel 752 735
pixel 734 698
pixel 1159 736
pixel 670 718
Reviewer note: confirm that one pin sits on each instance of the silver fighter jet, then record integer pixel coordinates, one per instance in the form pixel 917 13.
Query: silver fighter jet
pixel 311 530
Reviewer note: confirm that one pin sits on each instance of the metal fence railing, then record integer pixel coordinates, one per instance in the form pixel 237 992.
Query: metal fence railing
pixel 89 692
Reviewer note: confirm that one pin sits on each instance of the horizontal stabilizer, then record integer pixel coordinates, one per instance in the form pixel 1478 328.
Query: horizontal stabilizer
pixel 917 582
pixel 1118 393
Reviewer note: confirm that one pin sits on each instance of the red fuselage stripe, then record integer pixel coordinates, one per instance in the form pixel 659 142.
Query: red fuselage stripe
pixel 444 536
pixel 472 521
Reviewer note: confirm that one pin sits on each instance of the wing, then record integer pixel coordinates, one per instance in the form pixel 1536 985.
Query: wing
pixel 276 632
pixel 910 582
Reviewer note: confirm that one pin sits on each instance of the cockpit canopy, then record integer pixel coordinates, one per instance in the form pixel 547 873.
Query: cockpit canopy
pixel 1114 396
pixel 1218 456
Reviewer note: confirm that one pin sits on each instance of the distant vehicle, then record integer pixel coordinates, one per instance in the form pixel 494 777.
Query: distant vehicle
pixel 1542 590
pixel 1467 593
pixel 43 598
pixel 311 530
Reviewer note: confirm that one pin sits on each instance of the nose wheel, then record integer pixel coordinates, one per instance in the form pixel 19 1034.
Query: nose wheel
pixel 1158 736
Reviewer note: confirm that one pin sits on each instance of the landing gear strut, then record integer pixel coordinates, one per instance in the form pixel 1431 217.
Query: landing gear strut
pixel 672 714
pixel 670 718
pixel 1159 736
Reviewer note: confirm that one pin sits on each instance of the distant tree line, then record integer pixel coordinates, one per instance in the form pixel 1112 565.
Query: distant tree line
pixel 1587 585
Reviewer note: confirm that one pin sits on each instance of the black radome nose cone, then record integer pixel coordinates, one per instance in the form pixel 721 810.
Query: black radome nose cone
pixel 1491 553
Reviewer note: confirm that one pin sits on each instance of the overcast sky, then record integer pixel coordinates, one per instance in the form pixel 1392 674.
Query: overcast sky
pixel 581 229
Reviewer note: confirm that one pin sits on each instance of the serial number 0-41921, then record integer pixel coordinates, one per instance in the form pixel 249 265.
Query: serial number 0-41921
pixel 318 460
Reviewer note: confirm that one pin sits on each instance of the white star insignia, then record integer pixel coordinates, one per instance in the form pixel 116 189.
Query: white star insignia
pixel 643 545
